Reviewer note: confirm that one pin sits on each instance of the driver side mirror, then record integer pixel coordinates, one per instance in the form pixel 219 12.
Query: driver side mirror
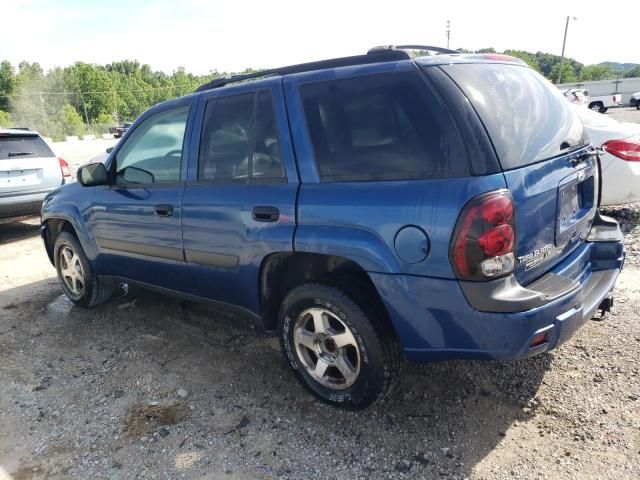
pixel 109 150
pixel 92 175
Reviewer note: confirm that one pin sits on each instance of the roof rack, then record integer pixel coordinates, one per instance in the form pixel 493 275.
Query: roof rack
pixel 382 55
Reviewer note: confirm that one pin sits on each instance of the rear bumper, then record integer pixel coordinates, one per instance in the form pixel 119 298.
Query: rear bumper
pixel 435 321
pixel 21 204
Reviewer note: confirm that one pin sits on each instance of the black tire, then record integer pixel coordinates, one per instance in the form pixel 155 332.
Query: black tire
pixel 94 290
pixel 597 107
pixel 380 357
pixel 604 110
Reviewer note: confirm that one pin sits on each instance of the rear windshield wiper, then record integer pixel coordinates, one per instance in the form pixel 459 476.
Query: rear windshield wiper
pixel 19 154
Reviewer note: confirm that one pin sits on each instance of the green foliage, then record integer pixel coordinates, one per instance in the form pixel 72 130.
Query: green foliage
pixel 568 73
pixel 5 119
pixel 96 96
pixel 529 58
pixel 632 72
pixel 596 72
pixel 71 120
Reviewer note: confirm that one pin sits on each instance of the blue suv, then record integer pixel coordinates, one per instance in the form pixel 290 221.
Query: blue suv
pixel 368 209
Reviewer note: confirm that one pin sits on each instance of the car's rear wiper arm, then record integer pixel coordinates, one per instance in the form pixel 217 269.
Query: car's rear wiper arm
pixel 19 154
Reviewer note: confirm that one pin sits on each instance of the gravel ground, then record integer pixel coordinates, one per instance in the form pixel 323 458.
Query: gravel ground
pixel 625 114
pixel 70 378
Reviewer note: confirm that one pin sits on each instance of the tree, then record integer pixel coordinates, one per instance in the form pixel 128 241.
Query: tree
pixel 5 119
pixel 71 121
pixel 596 72
pixel 7 83
pixel 568 73
pixel 529 58
pixel 633 72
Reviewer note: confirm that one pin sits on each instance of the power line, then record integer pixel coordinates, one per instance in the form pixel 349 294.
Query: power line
pixel 99 92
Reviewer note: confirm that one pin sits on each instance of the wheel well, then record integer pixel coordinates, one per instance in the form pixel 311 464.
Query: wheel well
pixel 55 226
pixel 282 272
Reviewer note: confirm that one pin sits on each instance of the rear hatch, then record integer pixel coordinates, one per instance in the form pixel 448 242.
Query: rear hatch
pixel 27 164
pixel 540 142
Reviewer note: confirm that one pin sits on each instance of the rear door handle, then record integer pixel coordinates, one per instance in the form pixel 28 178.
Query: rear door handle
pixel 265 214
pixel 163 210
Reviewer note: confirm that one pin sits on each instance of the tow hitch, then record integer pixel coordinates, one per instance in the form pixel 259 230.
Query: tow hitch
pixel 603 309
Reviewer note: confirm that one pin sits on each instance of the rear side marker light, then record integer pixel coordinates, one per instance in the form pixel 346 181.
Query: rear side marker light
pixel 539 339
pixel 64 167
pixel 624 149
pixel 484 238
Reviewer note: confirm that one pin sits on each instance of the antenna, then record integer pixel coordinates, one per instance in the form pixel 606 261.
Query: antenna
pixel 448 32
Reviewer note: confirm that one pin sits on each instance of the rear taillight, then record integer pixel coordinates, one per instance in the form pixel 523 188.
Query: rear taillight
pixel 624 149
pixel 484 238
pixel 64 167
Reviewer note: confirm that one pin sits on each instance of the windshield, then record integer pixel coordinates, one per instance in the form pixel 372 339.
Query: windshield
pixel 23 146
pixel 527 118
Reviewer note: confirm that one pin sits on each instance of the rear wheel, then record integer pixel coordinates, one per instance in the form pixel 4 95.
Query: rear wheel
pixel 341 354
pixel 78 281
pixel 597 107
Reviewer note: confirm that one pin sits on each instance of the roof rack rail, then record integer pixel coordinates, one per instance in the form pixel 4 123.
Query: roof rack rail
pixel 429 48
pixel 382 55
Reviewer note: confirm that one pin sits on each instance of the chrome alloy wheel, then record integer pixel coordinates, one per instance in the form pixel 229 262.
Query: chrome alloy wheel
pixel 71 270
pixel 326 348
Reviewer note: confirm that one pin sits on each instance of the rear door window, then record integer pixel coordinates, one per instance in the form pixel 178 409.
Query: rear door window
pixel 23 146
pixel 240 140
pixel 527 118
pixel 381 127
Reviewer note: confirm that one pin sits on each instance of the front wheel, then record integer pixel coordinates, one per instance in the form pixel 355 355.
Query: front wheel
pixel 78 281
pixel 344 356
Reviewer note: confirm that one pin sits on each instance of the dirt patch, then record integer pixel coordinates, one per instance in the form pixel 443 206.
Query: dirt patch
pixel 147 418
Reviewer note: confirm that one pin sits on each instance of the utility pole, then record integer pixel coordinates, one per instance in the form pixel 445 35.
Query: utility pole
pixel 448 32
pixel 86 117
pixel 564 42
pixel 44 117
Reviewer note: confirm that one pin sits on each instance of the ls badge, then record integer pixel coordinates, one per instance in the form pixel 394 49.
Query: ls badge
pixel 535 258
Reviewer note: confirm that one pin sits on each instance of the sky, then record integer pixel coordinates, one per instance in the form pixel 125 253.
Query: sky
pixel 231 35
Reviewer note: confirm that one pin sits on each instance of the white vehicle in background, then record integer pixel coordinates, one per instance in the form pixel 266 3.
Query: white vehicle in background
pixel 28 171
pixel 601 103
pixel 576 96
pixel 620 161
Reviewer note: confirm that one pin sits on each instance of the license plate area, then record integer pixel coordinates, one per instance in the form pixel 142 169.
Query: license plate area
pixel 19 178
pixel 576 205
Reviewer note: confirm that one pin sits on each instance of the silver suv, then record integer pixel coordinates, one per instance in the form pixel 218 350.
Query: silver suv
pixel 28 171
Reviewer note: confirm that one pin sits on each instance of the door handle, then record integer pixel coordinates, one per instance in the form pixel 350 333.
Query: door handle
pixel 163 210
pixel 265 214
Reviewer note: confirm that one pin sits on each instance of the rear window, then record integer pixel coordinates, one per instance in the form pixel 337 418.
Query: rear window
pixel 527 118
pixel 23 146
pixel 381 127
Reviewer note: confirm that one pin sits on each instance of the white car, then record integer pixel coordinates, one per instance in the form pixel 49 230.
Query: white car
pixel 29 170
pixel 621 158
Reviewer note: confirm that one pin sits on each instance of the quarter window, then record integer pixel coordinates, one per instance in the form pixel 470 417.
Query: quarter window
pixel 153 152
pixel 381 127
